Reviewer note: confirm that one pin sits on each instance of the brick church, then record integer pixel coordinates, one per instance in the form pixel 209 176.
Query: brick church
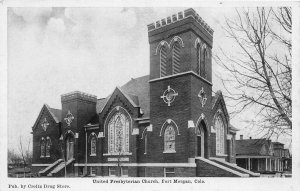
pixel 166 124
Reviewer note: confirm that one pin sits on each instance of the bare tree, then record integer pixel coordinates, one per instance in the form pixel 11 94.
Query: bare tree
pixel 13 158
pixel 25 154
pixel 260 74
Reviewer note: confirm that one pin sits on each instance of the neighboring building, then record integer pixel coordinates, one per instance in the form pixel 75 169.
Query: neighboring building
pixel 262 155
pixel 167 123
pixel 283 160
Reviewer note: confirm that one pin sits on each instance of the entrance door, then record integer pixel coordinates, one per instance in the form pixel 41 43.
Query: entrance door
pixel 199 145
pixel 200 141
pixel 69 148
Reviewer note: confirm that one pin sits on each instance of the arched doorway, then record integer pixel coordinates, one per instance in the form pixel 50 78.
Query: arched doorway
pixel 201 133
pixel 69 147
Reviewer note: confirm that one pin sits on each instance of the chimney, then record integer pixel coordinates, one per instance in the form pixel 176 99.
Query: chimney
pixel 241 137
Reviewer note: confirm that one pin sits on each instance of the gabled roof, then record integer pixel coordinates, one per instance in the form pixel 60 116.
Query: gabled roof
pixel 251 147
pixel 54 113
pixel 101 104
pixel 137 93
pixel 139 87
pixel 214 99
pixel 217 100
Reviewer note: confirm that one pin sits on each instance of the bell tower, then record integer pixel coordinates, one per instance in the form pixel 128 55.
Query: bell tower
pixel 180 43
pixel 180 81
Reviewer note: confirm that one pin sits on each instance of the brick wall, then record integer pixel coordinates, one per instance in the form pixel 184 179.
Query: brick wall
pixel 118 99
pixel 52 131
pixel 179 111
pixel 83 111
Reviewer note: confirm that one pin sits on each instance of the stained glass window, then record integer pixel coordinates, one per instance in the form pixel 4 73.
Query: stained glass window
pixel 219 126
pixel 169 139
pixel 48 145
pixel 93 145
pixel 118 129
pixel 43 147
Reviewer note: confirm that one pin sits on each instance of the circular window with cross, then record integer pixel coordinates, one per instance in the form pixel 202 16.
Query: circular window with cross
pixel 169 96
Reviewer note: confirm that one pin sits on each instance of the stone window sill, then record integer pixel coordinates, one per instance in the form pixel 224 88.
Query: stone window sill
pixel 221 155
pixel 169 152
pixel 92 155
pixel 116 154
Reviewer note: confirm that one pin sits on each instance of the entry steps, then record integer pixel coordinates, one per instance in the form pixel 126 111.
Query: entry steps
pixel 60 167
pixel 235 167
pixel 214 168
pixel 49 168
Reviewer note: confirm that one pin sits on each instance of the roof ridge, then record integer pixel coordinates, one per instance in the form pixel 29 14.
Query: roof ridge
pixel 128 82
pixel 54 108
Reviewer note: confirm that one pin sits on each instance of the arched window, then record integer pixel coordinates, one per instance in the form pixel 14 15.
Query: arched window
pixel 163 61
pixel 169 139
pixel 118 133
pixel 43 144
pixel 200 140
pixel 220 141
pixel 48 146
pixel 176 58
pixel 203 62
pixel 93 146
pixel 198 59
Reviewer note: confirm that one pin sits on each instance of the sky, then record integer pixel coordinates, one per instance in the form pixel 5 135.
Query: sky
pixel 52 51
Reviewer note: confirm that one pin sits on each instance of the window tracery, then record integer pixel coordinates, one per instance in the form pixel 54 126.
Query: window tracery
pixel 48 146
pixel 169 139
pixel 220 138
pixel 43 144
pixel 93 146
pixel 118 133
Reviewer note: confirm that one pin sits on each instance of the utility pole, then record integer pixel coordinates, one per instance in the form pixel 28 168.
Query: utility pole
pixel 63 153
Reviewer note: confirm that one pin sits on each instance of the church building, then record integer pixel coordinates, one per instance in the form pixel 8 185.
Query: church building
pixel 165 124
